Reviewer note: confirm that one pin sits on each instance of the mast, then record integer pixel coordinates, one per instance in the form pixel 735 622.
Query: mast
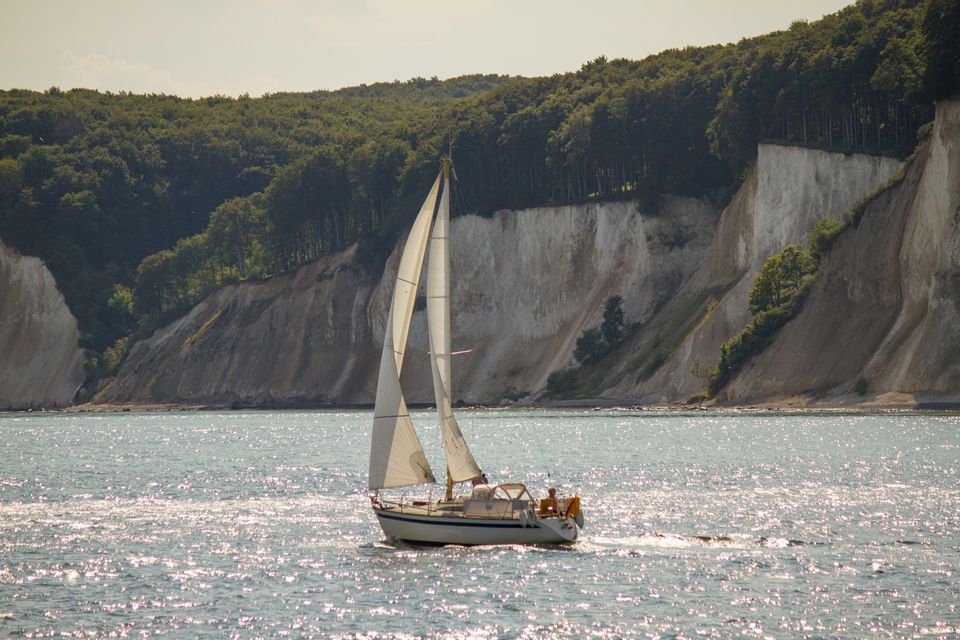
pixel 445 171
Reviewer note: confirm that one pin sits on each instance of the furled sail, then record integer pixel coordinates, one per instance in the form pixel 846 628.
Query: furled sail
pixel 460 462
pixel 396 456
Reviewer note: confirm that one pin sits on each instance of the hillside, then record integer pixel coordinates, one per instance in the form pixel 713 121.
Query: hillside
pixel 143 205
pixel 785 194
pixel 152 212
pixel 527 283
pixel 92 183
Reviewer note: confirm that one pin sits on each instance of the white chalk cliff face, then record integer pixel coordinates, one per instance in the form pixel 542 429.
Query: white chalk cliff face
pixel 41 363
pixel 525 284
pixel 528 283
pixel 786 192
pixel 886 308
pixel 298 338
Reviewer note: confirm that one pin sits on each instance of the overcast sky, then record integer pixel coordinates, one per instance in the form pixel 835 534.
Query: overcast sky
pixel 206 47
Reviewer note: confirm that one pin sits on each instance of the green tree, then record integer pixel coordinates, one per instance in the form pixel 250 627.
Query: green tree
pixel 590 346
pixel 772 303
pixel 149 295
pixel 941 48
pixel 613 321
pixel 121 301
pixel 232 229
pixel 797 265
pixel 779 278
pixel 10 185
pixel 120 308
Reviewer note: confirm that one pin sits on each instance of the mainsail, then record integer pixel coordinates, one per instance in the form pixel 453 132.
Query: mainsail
pixel 396 456
pixel 460 462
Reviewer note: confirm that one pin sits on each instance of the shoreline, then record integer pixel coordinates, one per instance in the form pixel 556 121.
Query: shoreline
pixel 882 403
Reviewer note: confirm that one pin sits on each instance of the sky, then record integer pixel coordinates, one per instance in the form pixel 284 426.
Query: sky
pixel 208 47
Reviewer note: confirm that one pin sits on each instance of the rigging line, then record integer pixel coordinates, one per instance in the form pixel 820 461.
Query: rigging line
pixel 458 197
pixel 436 202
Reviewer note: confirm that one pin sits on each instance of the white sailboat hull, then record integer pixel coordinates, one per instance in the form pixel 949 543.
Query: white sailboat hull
pixel 436 529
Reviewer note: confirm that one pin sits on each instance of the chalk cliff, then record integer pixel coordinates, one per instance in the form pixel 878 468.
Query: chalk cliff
pixel 885 309
pixel 524 287
pixel 41 363
pixel 786 192
pixel 298 338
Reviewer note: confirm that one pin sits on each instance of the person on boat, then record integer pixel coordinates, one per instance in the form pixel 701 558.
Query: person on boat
pixel 480 479
pixel 549 504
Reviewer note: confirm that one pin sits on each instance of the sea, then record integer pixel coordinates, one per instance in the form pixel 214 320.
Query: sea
pixel 257 524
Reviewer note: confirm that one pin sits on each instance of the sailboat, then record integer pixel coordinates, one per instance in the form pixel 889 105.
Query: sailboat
pixel 490 514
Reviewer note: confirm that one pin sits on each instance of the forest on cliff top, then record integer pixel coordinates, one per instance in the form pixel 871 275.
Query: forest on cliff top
pixel 141 205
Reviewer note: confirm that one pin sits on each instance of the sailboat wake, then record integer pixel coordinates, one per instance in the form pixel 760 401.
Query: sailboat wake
pixel 666 540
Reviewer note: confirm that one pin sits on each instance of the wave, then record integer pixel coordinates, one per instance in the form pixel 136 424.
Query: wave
pixel 667 540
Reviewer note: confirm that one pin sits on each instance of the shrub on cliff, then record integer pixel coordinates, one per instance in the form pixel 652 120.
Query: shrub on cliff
pixel 592 345
pixel 613 321
pixel 562 382
pixel 778 292
pixel 595 343
pixel 736 351
pixel 822 237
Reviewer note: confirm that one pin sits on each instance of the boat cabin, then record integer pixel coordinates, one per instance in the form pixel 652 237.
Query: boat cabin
pixel 499 501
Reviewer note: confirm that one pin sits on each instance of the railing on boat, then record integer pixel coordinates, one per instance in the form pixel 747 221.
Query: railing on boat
pixel 434 509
